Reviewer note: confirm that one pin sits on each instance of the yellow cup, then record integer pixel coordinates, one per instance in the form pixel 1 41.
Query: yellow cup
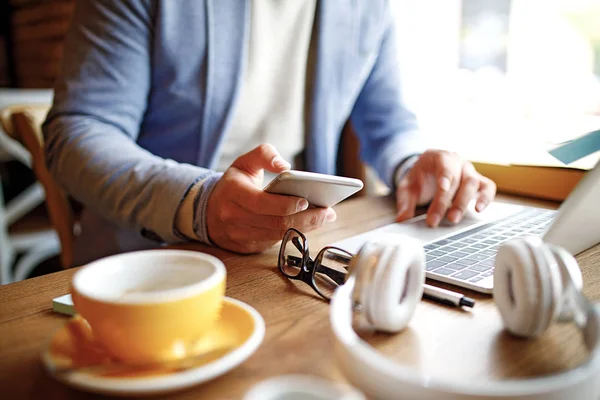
pixel 149 306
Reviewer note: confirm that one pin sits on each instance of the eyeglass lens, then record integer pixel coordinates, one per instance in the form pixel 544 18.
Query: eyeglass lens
pixel 330 271
pixel 291 254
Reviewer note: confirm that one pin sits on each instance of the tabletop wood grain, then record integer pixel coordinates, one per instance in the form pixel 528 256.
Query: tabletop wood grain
pixel 441 341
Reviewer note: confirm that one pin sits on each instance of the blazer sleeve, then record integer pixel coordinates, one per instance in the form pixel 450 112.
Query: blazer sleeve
pixel 386 128
pixel 99 103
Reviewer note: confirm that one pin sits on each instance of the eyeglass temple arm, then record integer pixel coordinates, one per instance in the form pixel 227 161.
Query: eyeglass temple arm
pixel 299 246
pixel 337 276
pixel 294 261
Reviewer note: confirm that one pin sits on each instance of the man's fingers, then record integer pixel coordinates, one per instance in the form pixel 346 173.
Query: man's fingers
pixel 408 194
pixel 469 186
pixel 242 217
pixel 242 191
pixel 407 197
pixel 487 191
pixel 244 238
pixel 304 221
pixel 262 157
pixel 447 171
pixel 256 201
pixel 257 234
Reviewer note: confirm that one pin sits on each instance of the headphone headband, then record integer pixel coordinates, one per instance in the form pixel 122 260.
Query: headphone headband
pixel 537 284
pixel 380 377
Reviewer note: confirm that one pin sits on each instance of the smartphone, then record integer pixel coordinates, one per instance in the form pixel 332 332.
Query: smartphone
pixel 319 189
pixel 63 305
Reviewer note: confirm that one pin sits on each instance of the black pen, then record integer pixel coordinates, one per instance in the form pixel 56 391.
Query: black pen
pixel 433 293
pixel 447 296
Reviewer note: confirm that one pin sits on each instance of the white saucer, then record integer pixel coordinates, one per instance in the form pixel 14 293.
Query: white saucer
pixel 239 323
pixel 305 387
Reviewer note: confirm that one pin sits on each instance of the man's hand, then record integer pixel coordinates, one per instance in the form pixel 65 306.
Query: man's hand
pixel 243 218
pixel 449 183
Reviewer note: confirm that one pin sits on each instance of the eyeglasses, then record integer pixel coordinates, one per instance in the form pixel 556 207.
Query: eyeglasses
pixel 324 274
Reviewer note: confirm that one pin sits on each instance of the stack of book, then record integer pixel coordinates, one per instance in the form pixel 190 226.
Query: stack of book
pixel 533 172
pixel 538 181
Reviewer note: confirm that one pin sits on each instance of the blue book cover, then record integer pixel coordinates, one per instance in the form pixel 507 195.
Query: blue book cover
pixel 576 149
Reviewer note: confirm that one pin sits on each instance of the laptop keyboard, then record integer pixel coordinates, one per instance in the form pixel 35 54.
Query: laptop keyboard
pixel 469 256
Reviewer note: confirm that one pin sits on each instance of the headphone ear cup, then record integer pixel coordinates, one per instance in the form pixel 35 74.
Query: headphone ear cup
pixel 397 281
pixel 527 286
pixel 568 266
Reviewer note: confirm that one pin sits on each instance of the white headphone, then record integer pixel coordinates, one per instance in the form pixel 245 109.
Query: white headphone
pixel 535 284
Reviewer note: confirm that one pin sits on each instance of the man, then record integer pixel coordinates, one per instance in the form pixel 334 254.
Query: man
pixel 157 96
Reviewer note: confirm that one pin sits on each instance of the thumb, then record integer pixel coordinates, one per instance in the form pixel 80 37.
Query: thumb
pixel 407 195
pixel 262 157
pixel 406 202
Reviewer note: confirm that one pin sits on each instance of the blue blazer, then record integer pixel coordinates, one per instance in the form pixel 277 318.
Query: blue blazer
pixel 148 88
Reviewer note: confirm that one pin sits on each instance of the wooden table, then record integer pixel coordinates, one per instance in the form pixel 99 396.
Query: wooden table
pixel 441 340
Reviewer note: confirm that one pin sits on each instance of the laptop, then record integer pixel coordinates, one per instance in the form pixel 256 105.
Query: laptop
pixel 463 254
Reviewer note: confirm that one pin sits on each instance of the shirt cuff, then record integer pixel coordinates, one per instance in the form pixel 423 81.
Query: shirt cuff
pixel 200 226
pixel 187 213
pixel 184 220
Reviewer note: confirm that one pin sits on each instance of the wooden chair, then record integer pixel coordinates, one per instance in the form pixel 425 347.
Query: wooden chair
pixel 23 124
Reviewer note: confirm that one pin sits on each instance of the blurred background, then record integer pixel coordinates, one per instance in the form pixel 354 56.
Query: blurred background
pixel 489 73
pixel 499 81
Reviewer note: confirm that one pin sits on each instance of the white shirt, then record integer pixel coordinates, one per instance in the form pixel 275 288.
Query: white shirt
pixel 271 104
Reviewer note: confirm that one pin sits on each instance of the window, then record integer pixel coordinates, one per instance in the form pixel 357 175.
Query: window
pixel 490 77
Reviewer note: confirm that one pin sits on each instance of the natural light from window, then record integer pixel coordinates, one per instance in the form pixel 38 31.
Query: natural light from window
pixel 491 78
